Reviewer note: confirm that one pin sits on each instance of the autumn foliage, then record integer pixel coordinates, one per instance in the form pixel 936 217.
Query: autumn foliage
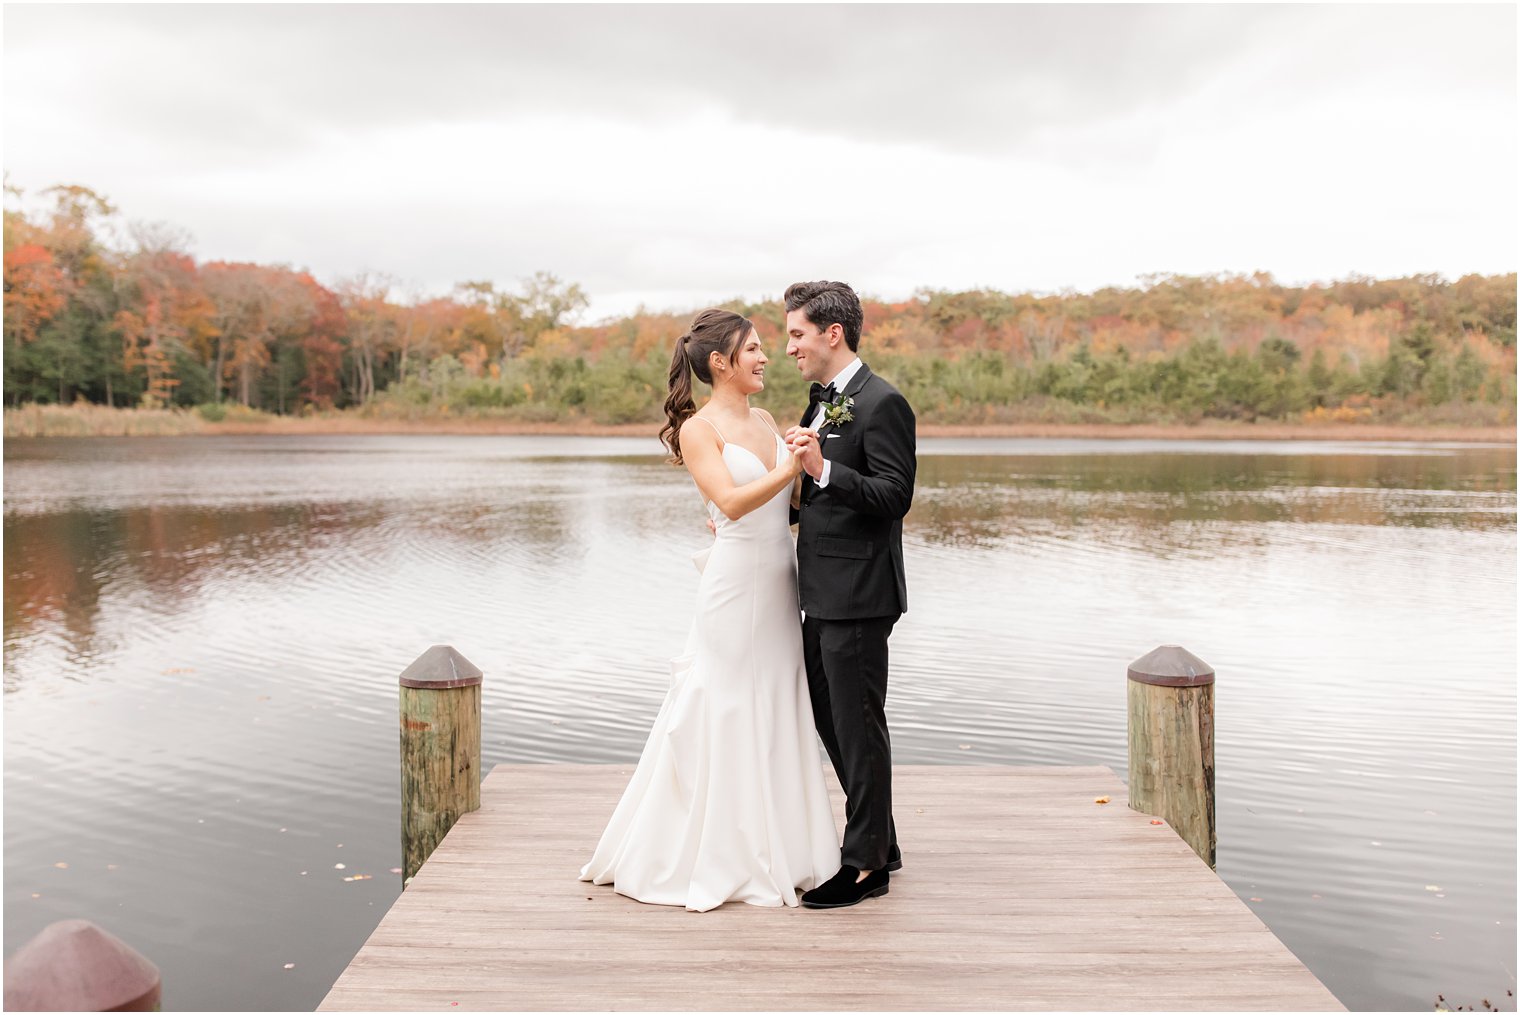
pixel 142 323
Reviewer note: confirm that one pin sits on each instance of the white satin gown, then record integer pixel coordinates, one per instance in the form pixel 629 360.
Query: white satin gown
pixel 728 802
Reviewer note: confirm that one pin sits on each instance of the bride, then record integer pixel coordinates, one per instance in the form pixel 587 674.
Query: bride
pixel 728 800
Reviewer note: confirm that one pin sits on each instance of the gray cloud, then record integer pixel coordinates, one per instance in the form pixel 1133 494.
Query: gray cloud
pixel 966 77
pixel 1040 145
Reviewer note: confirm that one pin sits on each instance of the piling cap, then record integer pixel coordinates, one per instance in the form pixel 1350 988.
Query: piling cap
pixel 1171 666
pixel 440 667
pixel 73 965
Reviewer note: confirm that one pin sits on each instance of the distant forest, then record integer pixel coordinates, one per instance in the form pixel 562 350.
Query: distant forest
pixel 142 323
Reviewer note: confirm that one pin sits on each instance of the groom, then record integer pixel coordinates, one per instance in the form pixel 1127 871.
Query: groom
pixel 857 446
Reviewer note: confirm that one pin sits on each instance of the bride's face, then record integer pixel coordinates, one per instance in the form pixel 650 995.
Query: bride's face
pixel 749 365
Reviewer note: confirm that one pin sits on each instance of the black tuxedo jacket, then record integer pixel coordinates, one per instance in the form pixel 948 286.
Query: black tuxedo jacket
pixel 849 533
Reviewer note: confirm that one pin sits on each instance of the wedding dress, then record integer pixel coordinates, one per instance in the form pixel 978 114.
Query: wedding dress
pixel 728 801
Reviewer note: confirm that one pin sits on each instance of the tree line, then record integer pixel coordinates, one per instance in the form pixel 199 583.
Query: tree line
pixel 141 323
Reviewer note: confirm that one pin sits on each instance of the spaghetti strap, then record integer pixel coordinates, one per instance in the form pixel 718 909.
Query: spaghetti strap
pixel 766 422
pixel 715 429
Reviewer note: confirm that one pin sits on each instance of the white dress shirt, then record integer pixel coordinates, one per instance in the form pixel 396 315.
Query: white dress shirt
pixel 840 381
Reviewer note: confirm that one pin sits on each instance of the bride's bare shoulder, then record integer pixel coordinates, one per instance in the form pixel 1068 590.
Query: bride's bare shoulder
pixel 705 432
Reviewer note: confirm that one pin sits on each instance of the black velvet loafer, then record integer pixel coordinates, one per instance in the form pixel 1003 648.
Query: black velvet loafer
pixel 843 890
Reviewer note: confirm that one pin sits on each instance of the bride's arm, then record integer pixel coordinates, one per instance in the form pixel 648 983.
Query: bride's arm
pixel 704 460
pixel 796 483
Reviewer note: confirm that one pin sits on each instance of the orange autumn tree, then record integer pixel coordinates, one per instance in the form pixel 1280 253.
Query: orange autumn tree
pixel 82 314
pixel 168 316
pixel 322 346
pixel 35 291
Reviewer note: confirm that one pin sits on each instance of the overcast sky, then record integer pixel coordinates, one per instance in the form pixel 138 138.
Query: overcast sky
pixel 680 155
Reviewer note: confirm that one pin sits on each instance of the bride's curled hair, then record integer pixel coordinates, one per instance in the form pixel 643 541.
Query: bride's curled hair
pixel 713 330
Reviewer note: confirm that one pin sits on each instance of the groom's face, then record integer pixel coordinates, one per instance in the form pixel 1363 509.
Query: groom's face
pixel 812 349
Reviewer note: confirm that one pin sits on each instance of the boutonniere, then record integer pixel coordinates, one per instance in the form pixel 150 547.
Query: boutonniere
pixel 837 412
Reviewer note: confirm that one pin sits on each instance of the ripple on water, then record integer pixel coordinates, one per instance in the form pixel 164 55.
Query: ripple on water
pixel 203 639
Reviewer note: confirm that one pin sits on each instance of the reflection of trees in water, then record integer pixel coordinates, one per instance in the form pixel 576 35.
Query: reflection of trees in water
pixel 64 567
pixel 60 567
pixel 1478 470
pixel 1164 501
pixel 45 580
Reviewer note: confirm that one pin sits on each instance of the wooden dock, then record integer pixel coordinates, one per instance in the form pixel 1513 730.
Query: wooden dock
pixel 1018 892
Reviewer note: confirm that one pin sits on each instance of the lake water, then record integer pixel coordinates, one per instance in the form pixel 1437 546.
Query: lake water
pixel 202 637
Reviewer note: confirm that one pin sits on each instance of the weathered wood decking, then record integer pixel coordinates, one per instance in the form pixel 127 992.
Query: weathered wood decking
pixel 1018 892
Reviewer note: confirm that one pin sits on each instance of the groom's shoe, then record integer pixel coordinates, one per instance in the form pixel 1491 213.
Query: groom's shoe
pixel 894 860
pixel 843 890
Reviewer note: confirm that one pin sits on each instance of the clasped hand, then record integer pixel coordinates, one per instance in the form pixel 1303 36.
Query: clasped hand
pixel 804 455
pixel 804 444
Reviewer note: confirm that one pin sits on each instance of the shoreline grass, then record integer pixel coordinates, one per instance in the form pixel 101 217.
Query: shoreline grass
pixel 100 421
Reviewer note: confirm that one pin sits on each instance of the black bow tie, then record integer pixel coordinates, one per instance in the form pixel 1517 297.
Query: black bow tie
pixel 820 393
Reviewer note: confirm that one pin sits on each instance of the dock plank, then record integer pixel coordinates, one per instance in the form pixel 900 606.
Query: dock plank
pixel 1018 893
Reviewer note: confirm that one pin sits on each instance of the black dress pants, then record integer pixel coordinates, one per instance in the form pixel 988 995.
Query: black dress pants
pixel 847 680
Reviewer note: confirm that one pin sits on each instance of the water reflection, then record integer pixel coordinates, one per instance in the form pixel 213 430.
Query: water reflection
pixel 486 507
pixel 202 638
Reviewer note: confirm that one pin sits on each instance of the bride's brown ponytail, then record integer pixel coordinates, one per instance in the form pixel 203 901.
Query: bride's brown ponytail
pixel 679 405
pixel 711 331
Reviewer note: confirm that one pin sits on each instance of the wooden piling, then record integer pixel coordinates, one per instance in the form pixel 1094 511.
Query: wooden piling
pixel 1171 743
pixel 73 965
pixel 440 750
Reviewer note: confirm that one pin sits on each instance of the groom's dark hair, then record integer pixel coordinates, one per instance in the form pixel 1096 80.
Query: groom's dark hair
pixel 826 303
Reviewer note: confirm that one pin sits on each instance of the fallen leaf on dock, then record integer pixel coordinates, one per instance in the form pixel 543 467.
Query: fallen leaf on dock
pixel 395 870
pixel 36 895
pixel 1155 822
pixel 1432 888
pixel 1101 800
pixel 965 747
pixel 61 865
pixel 1255 898
pixel 290 965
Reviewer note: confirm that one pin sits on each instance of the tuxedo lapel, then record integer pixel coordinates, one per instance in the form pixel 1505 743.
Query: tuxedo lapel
pixel 858 381
pixel 862 374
